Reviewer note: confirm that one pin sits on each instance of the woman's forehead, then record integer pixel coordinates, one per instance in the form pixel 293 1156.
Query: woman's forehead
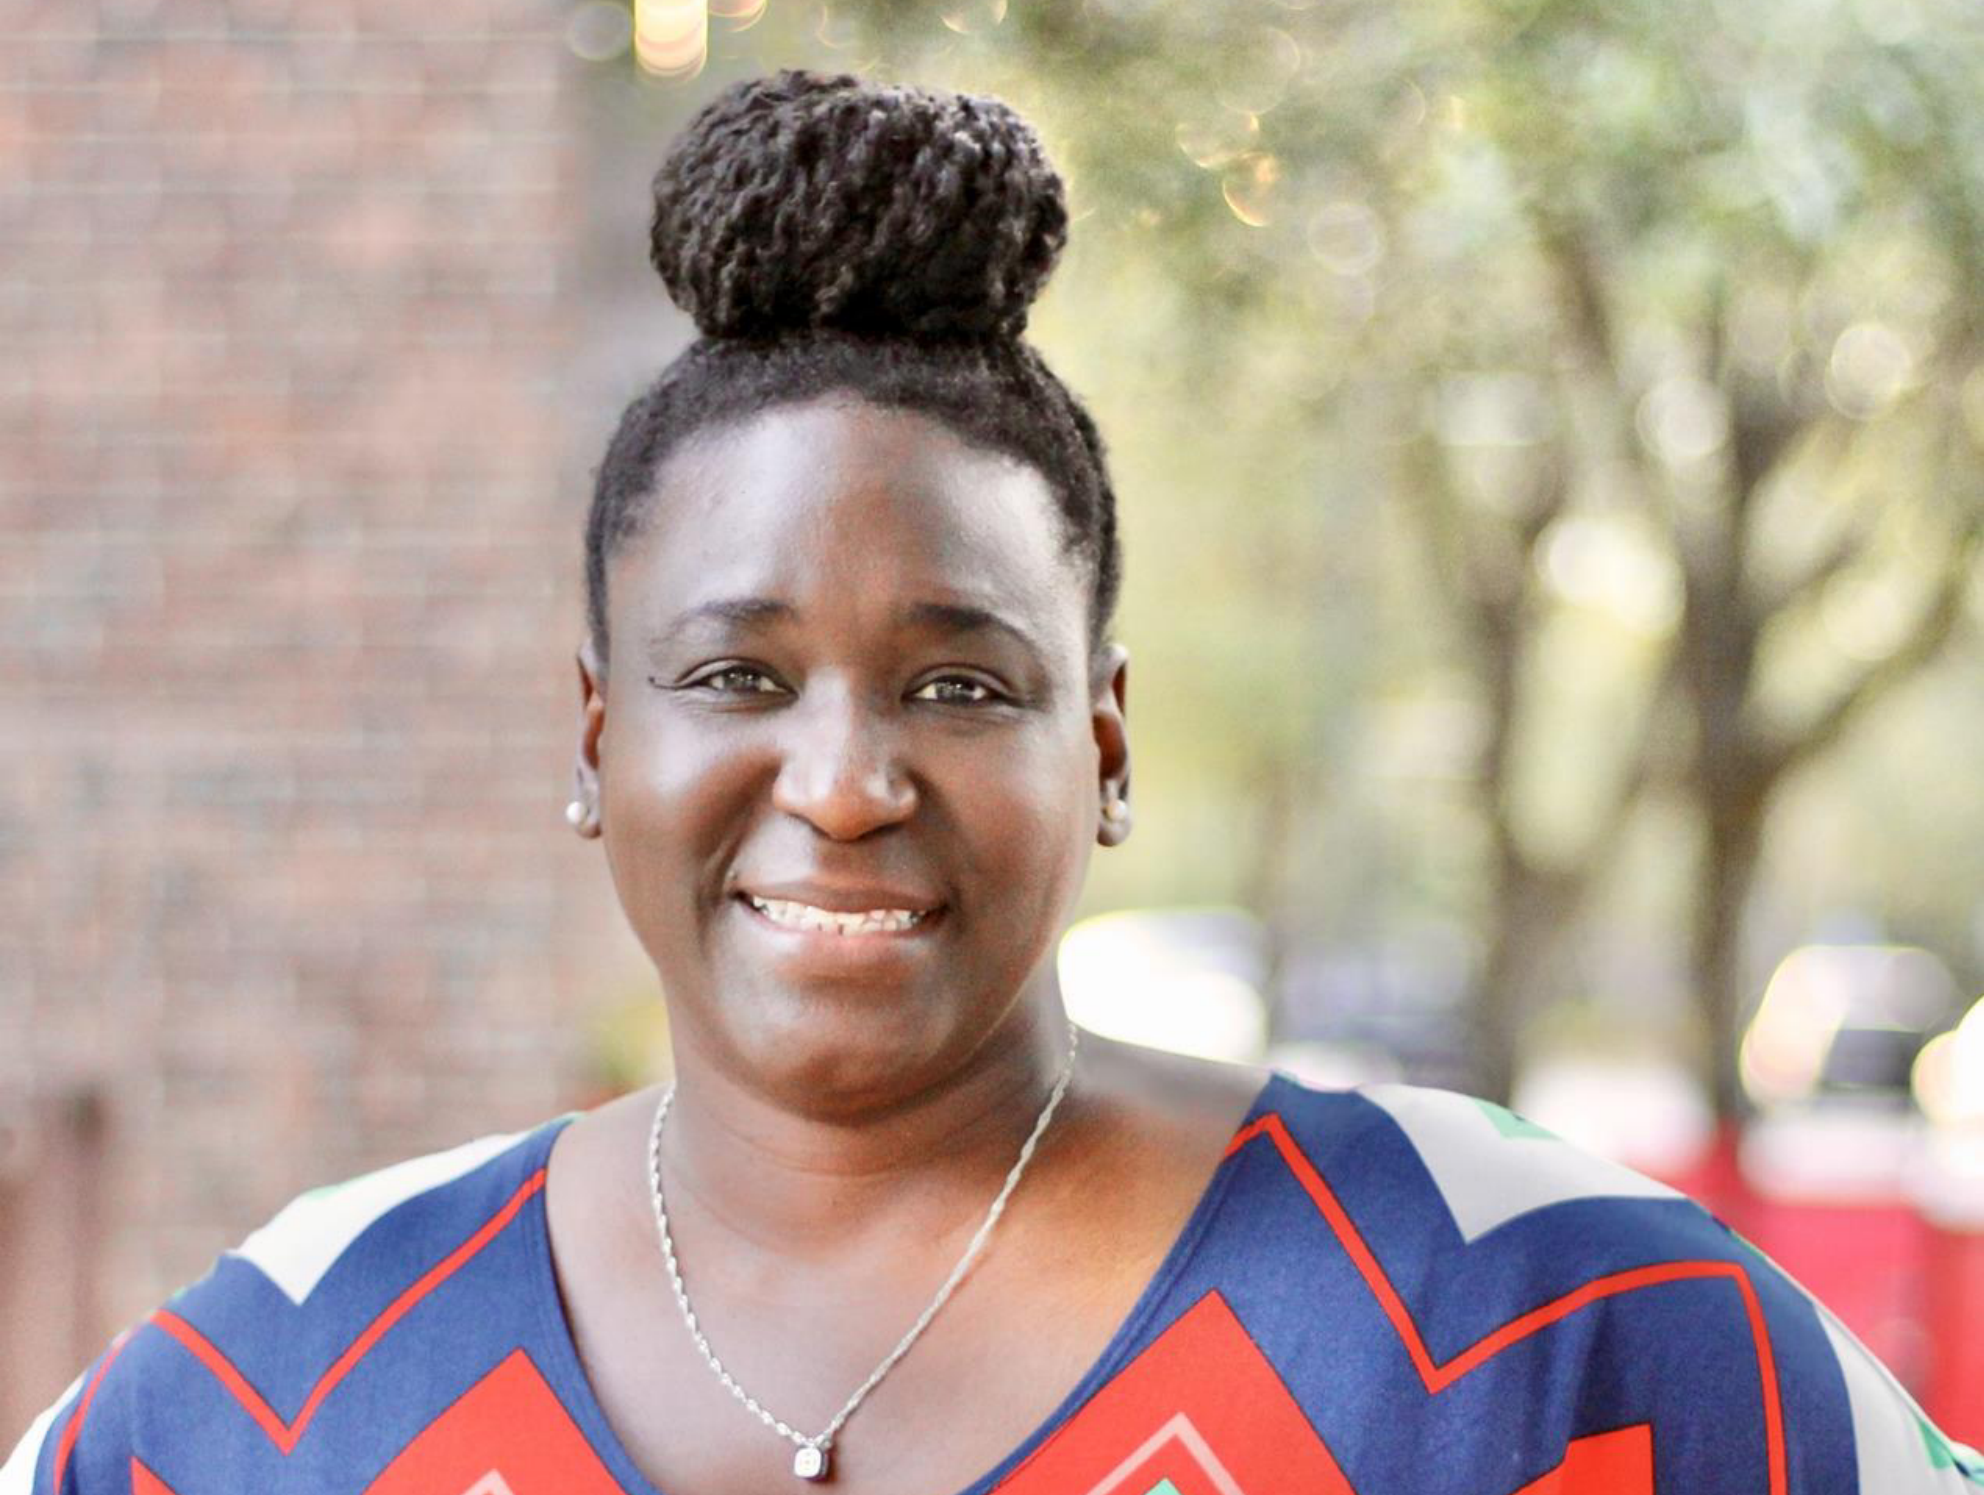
pixel 843 495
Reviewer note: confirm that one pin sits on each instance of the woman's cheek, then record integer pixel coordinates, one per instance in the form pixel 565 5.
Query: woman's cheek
pixel 661 805
pixel 1039 837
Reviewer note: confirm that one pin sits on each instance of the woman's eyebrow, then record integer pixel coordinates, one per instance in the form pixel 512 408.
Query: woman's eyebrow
pixel 740 612
pixel 960 617
pixel 943 617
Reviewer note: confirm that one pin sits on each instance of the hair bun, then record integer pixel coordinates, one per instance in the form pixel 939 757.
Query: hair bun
pixel 807 200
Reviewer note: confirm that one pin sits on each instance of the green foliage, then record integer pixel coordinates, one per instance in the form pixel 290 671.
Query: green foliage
pixel 1449 342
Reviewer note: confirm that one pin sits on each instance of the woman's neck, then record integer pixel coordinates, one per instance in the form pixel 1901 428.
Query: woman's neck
pixel 770 1176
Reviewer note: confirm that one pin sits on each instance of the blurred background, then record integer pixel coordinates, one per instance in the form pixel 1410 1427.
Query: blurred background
pixel 1550 439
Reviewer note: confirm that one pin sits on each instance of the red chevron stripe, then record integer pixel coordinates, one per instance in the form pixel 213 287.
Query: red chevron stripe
pixel 508 1433
pixel 1437 1377
pixel 144 1482
pixel 286 1434
pixel 1201 1406
pixel 1614 1463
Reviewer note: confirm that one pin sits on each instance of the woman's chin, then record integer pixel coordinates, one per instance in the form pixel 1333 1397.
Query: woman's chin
pixel 828 1024
pixel 841 1051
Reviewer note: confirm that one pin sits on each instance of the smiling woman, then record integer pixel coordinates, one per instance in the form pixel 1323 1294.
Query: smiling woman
pixel 866 689
pixel 850 726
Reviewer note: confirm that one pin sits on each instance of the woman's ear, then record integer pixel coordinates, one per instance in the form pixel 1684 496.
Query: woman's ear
pixel 583 812
pixel 1109 718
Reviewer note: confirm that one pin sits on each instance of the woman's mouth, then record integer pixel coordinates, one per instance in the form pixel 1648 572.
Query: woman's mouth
pixel 790 915
pixel 832 930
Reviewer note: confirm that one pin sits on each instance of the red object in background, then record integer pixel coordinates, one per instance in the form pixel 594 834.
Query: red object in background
pixel 1954 1397
pixel 1714 1178
pixel 1866 1262
pixel 1911 1289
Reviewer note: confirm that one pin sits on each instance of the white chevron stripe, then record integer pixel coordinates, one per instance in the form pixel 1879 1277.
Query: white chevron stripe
pixel 303 1242
pixel 17 1474
pixel 1488 1177
pixel 1889 1449
pixel 1180 1427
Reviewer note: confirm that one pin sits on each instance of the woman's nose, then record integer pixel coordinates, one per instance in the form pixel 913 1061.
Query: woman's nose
pixel 841 768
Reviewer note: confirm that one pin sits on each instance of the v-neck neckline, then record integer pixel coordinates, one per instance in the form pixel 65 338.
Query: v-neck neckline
pixel 568 1375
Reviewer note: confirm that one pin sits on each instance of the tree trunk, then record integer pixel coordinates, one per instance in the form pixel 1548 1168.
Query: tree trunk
pixel 1730 853
pixel 1527 929
pixel 1266 883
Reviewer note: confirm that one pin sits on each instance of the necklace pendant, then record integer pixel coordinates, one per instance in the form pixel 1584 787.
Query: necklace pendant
pixel 810 1461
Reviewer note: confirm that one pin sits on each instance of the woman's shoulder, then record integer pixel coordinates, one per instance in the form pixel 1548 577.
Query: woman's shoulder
pixel 410 1208
pixel 1417 1157
pixel 1484 1238
pixel 1480 1163
pixel 336 1264
pixel 1477 1197
pixel 1442 1176
pixel 1476 1210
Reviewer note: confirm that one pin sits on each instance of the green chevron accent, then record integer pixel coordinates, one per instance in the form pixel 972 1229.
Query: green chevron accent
pixel 1944 1454
pixel 1491 1165
pixel 1511 1125
pixel 1162 1487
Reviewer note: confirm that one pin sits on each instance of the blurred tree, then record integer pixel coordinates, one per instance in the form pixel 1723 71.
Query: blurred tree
pixel 1669 316
pixel 1663 322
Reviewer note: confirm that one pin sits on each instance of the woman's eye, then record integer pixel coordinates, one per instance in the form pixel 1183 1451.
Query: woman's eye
pixel 736 671
pixel 742 680
pixel 985 693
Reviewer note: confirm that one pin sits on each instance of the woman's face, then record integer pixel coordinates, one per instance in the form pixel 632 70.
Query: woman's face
pixel 849 670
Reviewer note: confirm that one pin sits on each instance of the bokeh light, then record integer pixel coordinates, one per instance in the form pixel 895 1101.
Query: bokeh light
pixel 1948 1078
pixel 1871 366
pixel 1613 564
pixel 1146 977
pixel 1254 70
pixel 599 30
pixel 671 37
pixel 1683 420
pixel 1818 994
pixel 1214 138
pixel 971 17
pixel 1347 237
pixel 1249 188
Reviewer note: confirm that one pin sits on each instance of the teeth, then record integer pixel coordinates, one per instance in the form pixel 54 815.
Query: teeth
pixel 805 916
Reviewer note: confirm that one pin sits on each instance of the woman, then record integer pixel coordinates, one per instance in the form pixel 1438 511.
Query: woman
pixel 850 727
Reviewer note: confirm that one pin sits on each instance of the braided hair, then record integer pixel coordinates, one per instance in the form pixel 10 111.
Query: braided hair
pixel 828 234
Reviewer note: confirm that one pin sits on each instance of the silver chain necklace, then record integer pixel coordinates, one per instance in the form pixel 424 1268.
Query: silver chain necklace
pixel 810 1457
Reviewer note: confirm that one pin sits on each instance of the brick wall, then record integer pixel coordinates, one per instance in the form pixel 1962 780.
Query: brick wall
pixel 289 569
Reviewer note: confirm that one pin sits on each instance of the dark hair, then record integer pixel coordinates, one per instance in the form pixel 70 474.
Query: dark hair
pixel 828 234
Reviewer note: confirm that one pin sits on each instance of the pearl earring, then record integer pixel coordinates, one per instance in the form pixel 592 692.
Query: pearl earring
pixel 1116 809
pixel 575 814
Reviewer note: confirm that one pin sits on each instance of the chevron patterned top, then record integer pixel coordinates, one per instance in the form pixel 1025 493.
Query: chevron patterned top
pixel 1386 1290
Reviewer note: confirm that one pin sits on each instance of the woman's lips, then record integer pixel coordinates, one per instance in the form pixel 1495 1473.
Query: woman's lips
pixel 830 949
